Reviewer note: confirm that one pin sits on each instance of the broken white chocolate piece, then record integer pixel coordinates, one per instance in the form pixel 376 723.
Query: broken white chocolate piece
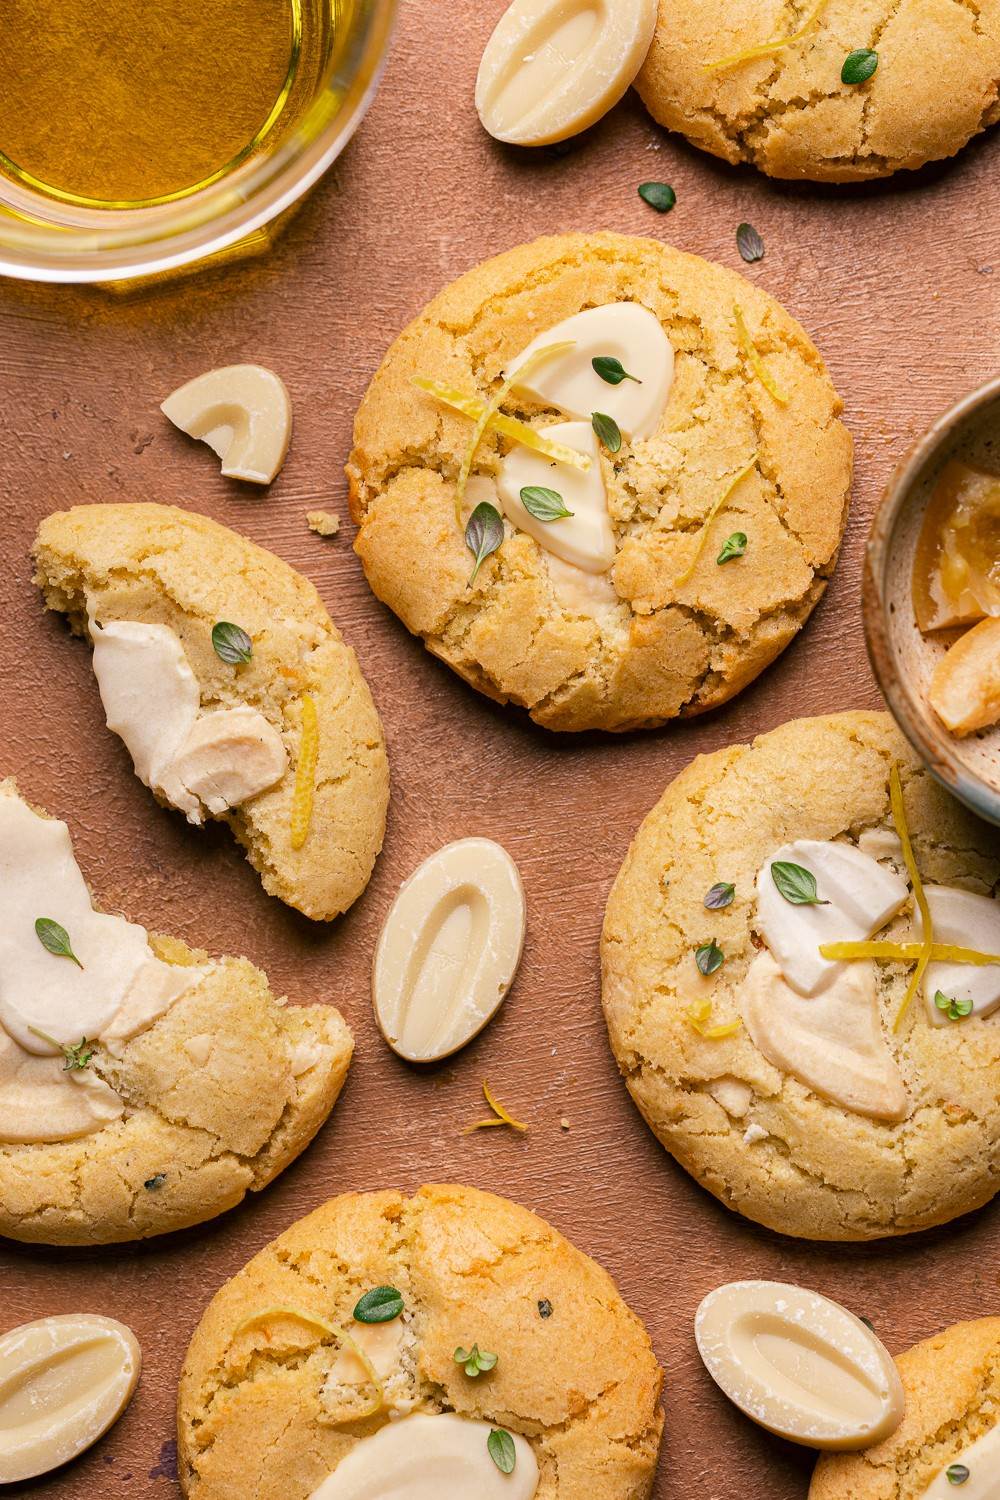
pixel 228 757
pixel 733 1094
pixel 581 593
pixel 982 1460
pixel 625 331
pixel 882 843
pixel 968 921
pixel 832 1042
pixel 799 1365
pixel 553 67
pixel 40 1100
pixel 424 1457
pixel 860 895
pixel 63 1381
pixel 380 1345
pixel 448 950
pixel 243 412
pixel 585 538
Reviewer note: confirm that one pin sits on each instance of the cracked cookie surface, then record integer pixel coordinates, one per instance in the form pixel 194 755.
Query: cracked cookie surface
pixel 162 565
pixel 762 1142
pixel 952 1385
pixel 937 83
pixel 666 647
pixel 258 1413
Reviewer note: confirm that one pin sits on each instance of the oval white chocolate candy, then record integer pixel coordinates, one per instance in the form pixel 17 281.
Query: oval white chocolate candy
pixel 63 1381
pixel 625 331
pixel 448 950
pixel 553 67
pixel 584 538
pixel 243 412
pixel 800 1365
pixel 427 1457
pixel 983 1463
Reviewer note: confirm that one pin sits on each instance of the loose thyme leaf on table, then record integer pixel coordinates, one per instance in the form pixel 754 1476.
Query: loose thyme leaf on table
pixel 659 195
pixel 749 243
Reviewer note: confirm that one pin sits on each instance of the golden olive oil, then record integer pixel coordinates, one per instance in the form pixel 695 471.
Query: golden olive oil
pixel 127 103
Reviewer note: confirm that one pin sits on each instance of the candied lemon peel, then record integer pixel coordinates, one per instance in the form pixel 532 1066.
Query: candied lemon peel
pixel 717 505
pixel 941 953
pixel 281 1311
pixel 699 1016
pixel 767 49
pixel 305 773
pixel 509 427
pixel 501 1113
pixel 753 355
pixel 909 859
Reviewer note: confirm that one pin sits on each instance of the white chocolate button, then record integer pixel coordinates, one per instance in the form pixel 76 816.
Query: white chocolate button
pixel 243 412
pixel 983 1463
pixel 449 950
pixel 624 331
pixel 585 538
pixel 800 1365
pixel 968 921
pixel 430 1458
pixel 553 67
pixel 861 894
pixel 832 1042
pixel 63 1382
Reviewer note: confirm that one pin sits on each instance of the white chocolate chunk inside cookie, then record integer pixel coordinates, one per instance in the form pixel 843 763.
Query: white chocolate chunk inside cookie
pixel 444 1457
pixel 243 412
pixel 622 331
pixel 966 920
pixel 553 67
pixel 832 1042
pixel 800 1365
pixel 585 538
pixel 860 896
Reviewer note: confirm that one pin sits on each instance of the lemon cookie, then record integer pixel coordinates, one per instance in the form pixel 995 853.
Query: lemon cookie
pixel 835 91
pixel 664 445
pixel 949 1440
pixel 445 1345
pixel 143 1086
pixel 232 689
pixel 816 1053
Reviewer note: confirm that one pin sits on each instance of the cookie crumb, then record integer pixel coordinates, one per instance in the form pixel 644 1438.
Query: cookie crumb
pixel 564 1123
pixel 323 522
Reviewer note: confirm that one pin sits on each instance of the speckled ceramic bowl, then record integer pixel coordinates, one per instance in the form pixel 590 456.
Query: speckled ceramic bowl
pixel 903 659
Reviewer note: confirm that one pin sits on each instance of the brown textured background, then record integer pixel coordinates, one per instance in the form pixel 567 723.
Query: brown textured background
pixel 897 285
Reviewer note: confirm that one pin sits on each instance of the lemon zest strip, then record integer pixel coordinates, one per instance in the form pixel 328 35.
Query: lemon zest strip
pixel 767 49
pixel 752 353
pixel 504 1117
pixel 509 427
pixel 698 1016
pixel 927 939
pixel 726 495
pixel 492 406
pixel 285 1312
pixel 941 953
pixel 305 773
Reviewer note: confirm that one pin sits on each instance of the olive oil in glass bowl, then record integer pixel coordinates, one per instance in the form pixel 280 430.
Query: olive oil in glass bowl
pixel 137 136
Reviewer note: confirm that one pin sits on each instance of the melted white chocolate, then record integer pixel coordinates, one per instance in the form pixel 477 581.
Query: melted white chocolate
pixel 430 1458
pixel 585 538
pixel 982 1460
pixel 41 1101
pixel 968 921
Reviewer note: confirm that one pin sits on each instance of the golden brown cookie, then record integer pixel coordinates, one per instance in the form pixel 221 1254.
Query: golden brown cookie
pixel 665 643
pixel 169 567
pixel 763 1141
pixel 952 1384
pixel 788 111
pixel 271 1400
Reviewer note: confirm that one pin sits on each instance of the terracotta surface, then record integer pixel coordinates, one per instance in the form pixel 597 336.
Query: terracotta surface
pixel 896 284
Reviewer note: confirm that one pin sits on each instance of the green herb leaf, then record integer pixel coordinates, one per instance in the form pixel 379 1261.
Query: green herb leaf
pixel 543 504
pixel 78 1056
pixel 867 1322
pixel 608 431
pixel 380 1305
pixel 733 546
pixel 477 1362
pixel 659 195
pixel 859 65
pixel 957 1473
pixel 720 895
pixel 709 957
pixel 152 1183
pixel 612 370
pixel 483 534
pixel 55 939
pixel 545 1308
pixel 500 1446
pixel 232 644
pixel 749 243
pixel 796 884
pixel 954 1009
